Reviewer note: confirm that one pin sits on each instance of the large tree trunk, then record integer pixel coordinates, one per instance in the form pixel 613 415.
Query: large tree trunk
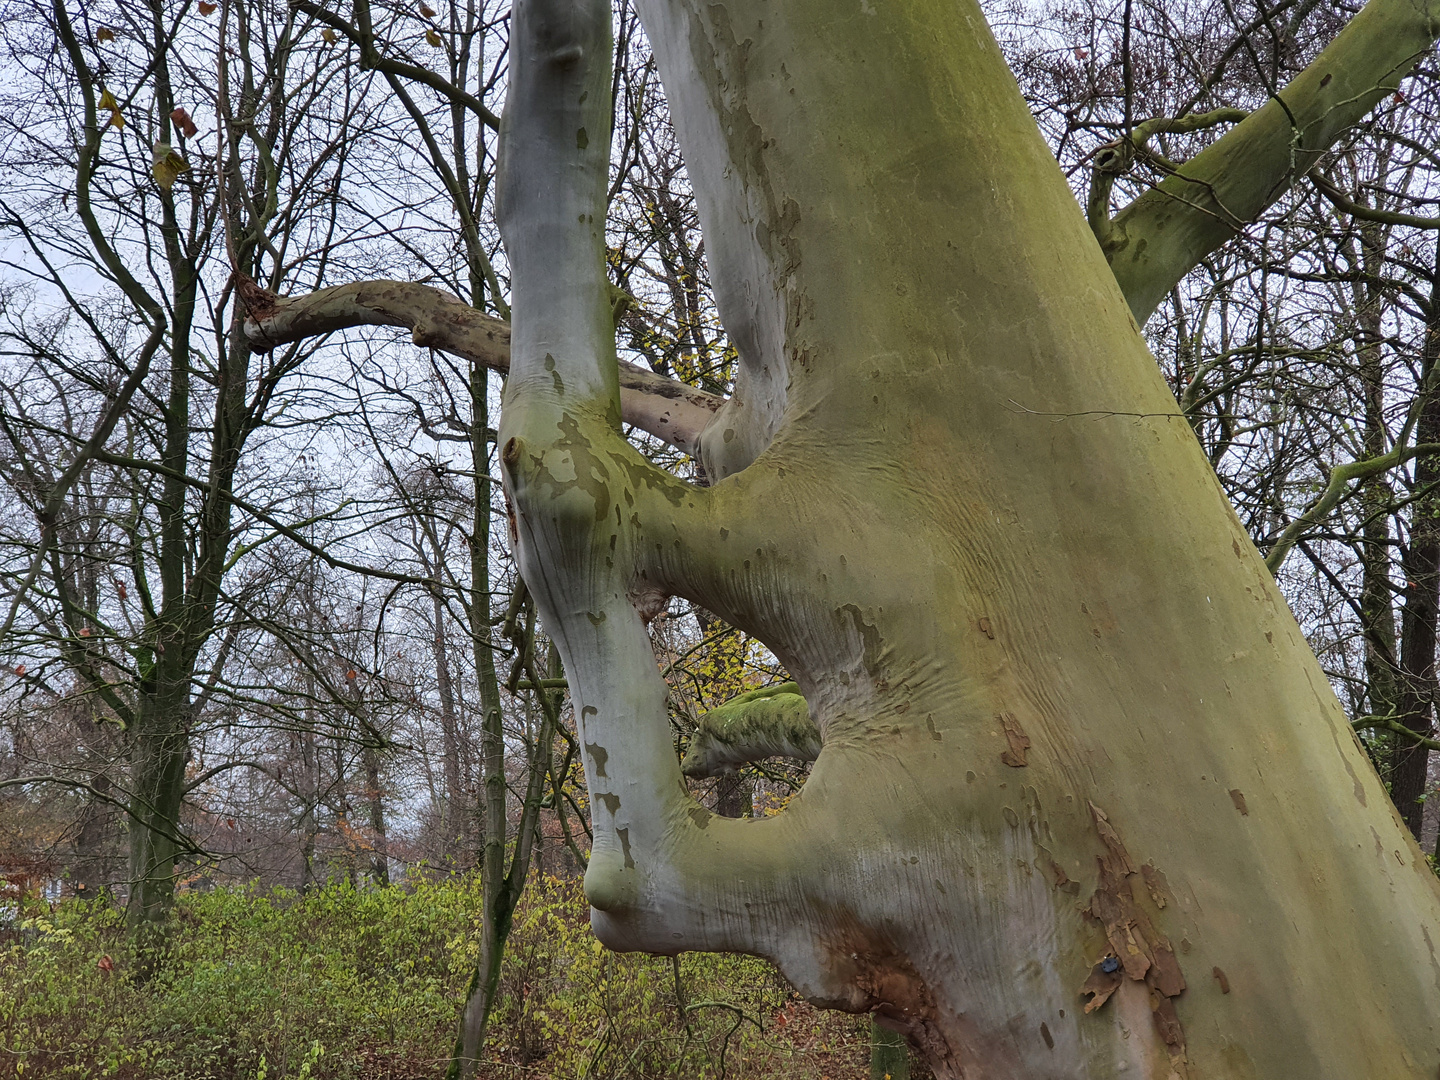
pixel 1076 749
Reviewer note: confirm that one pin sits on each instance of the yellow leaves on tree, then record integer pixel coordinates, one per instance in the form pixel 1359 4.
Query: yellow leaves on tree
pixel 166 165
pixel 107 101
pixel 328 35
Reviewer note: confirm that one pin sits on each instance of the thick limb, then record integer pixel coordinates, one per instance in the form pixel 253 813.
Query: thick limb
pixel 667 409
pixel 1158 238
pixel 597 528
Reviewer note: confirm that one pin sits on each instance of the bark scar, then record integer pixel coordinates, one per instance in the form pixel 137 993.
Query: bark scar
pixel 1138 950
pixel 1018 740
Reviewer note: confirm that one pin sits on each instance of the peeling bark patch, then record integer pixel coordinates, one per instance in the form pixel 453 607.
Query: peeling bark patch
pixel 1222 980
pixel 1139 951
pixel 600 756
pixel 888 986
pixel 610 801
pixel 1100 985
pixel 1434 963
pixel 1155 882
pixel 986 629
pixel 700 816
pixel 1359 787
pixel 871 645
pixel 1018 740
pixel 624 835
pixel 1059 878
pixel 1045 1034
pixel 930 727
pixel 1011 818
pixel 1238 798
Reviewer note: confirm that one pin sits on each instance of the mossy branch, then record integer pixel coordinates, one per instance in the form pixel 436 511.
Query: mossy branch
pixel 1389 723
pixel 773 722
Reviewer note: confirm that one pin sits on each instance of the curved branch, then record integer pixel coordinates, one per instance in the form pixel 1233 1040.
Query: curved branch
pixel 1389 723
pixel 669 410
pixel 1158 238
pixel 1345 204
pixel 1339 483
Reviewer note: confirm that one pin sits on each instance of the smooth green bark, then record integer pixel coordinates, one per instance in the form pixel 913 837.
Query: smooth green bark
pixel 1065 711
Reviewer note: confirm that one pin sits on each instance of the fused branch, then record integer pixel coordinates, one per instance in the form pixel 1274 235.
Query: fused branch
pixel 1115 158
pixel 665 408
pixel 773 722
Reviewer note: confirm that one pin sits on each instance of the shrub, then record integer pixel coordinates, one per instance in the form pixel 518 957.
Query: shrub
pixel 349 983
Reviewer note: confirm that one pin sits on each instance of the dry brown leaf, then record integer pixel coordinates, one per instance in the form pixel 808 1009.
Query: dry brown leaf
pixel 104 34
pixel 207 9
pixel 182 121
pixel 328 35
pixel 432 38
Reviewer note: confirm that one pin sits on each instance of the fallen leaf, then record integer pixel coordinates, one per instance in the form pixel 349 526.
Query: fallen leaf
pixel 350 675
pixel 106 964
pixel 432 38
pixel 19 669
pixel 184 123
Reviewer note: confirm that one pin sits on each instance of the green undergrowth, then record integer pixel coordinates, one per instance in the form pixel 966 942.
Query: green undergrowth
pixel 347 983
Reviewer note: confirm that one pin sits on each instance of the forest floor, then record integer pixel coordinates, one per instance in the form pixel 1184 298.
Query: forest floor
pixel 340 982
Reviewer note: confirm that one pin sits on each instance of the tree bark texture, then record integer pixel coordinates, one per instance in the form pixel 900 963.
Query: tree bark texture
pixel 1086 805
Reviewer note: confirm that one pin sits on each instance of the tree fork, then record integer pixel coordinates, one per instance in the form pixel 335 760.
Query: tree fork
pixel 1068 720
